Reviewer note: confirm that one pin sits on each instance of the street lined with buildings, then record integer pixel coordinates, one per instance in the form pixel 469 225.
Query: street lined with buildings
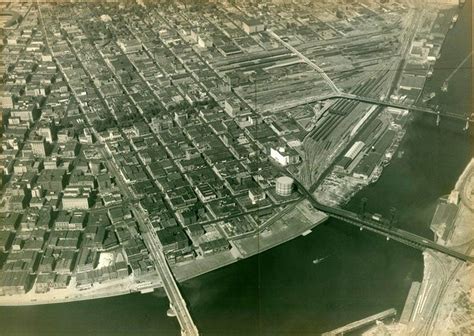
pixel 150 143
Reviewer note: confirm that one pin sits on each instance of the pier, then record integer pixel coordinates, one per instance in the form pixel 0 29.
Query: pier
pixel 362 323
pixel 410 303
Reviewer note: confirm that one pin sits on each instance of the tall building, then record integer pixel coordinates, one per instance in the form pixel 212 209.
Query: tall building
pixel 252 25
pixel 45 130
pixel 6 100
pixel 38 146
pixel 256 195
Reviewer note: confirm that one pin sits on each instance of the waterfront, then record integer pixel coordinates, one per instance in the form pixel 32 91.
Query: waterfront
pixel 281 290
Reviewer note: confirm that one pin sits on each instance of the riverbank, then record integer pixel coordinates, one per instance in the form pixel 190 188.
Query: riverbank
pixel 343 183
pixel 71 293
pixel 303 217
pixel 445 301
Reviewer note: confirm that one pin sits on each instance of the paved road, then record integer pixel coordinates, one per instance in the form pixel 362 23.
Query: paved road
pixel 188 328
pixel 307 61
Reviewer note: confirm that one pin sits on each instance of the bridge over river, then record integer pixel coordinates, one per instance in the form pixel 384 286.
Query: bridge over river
pixel 382 228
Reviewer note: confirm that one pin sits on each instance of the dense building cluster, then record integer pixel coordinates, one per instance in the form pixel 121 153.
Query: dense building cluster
pixel 186 119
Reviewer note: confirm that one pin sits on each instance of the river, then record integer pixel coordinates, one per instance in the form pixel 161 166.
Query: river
pixel 281 291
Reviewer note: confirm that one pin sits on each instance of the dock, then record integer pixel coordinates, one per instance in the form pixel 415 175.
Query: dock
pixel 307 232
pixel 362 323
pixel 410 303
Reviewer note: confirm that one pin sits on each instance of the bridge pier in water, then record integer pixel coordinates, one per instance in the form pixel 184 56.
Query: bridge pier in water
pixel 171 312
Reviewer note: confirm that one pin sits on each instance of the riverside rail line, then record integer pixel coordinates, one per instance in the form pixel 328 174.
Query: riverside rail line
pixel 391 232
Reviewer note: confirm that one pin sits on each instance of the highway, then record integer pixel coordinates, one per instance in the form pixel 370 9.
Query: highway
pixel 306 60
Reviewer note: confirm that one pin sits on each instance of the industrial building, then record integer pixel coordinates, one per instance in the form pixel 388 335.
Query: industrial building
pixel 284 186
pixel 284 155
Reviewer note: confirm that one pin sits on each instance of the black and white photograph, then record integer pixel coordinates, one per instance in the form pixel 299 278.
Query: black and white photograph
pixel 236 168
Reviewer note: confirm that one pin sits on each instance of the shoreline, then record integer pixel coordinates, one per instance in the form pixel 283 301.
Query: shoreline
pixel 431 318
pixel 112 290
pixel 67 295
pixel 181 272
pixel 67 300
pixel 438 304
pixel 263 242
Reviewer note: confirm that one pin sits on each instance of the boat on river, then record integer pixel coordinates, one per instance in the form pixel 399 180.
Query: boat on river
pixel 318 260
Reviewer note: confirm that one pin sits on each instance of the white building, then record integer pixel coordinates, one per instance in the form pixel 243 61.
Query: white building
pixel 284 155
pixel 251 25
pixel 6 100
pixel 256 195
